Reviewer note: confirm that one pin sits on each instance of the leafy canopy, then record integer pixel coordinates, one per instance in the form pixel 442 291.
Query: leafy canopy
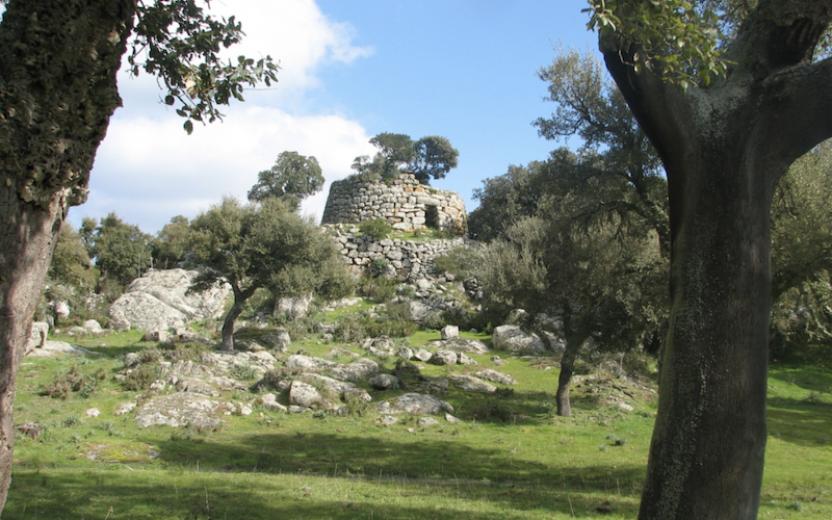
pixel 292 178
pixel 181 44
pixel 431 157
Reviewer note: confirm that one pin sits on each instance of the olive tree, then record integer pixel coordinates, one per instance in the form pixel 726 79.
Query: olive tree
pixel 292 177
pixel 58 67
pixel 730 93
pixel 266 245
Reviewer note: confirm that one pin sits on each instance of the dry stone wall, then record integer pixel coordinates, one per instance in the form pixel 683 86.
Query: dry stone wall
pixel 410 259
pixel 402 201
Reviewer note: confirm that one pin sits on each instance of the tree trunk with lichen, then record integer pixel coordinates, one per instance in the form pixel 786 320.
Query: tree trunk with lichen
pixel 724 148
pixel 58 70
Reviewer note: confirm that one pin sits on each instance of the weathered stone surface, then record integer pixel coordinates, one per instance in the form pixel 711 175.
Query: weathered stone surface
pixel 179 410
pixel 472 384
pixel 307 396
pixel 381 347
pixel 494 376
pixel 444 357
pixel 269 402
pixel 450 331
pixel 125 408
pixel 293 308
pixel 159 301
pixel 513 339
pixel 93 327
pixel 384 382
pixel 38 337
pixel 464 359
pixel 427 422
pixel 460 345
pixel 423 355
pixel 415 404
pixel 402 201
pixel 57 348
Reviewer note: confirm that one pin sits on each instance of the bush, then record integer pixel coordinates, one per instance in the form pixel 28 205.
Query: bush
pixel 73 381
pixel 375 229
pixel 141 377
pixel 378 290
pixel 378 267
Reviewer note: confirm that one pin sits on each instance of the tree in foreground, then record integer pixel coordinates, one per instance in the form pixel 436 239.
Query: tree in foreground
pixel 292 178
pixel 58 89
pixel 267 246
pixel 730 93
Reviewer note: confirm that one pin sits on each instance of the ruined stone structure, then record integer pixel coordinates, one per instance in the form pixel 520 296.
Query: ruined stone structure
pixel 402 201
pixel 407 259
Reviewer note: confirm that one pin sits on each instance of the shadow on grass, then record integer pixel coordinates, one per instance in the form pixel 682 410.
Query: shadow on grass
pixel 799 421
pixel 113 495
pixel 813 379
pixel 431 468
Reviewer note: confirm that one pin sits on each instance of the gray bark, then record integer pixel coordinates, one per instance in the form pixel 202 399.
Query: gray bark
pixel 57 91
pixel 724 148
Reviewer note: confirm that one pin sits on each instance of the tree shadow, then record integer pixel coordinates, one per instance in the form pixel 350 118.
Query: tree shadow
pixel 813 379
pixel 424 467
pixel 800 421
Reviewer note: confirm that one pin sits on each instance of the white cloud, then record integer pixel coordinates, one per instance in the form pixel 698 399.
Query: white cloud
pixel 148 170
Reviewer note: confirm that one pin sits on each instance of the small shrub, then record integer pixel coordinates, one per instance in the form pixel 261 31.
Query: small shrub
pixel 70 421
pixel 184 351
pixel 378 290
pixel 243 372
pixel 141 377
pixel 73 381
pixel 378 267
pixel 351 329
pixel 150 355
pixel 375 229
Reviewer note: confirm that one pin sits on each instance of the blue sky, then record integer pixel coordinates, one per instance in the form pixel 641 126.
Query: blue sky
pixel 465 69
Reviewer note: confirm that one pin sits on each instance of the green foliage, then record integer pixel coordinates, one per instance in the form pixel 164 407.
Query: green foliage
pixel 292 178
pixel 378 267
pixel 377 289
pixel 429 157
pixel 433 157
pixel 375 229
pixel 71 265
pixel 170 247
pixel 122 252
pixel 141 377
pixel 180 44
pixel 679 39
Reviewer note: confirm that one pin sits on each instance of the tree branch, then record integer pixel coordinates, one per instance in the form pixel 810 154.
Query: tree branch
pixel 778 34
pixel 801 108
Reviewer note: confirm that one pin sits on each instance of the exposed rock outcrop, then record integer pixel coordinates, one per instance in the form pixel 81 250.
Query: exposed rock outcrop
pixel 160 300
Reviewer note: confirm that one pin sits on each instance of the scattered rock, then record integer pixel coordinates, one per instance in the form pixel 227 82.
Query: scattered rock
pixel 472 384
pixel 384 382
pixel 269 402
pixel 307 396
pixel 38 336
pixel 30 429
pixel 426 422
pixel 292 308
pixel 497 360
pixel 388 420
pixel 125 408
pixel 406 353
pixel 461 345
pixel 92 412
pixel 242 409
pixel 415 404
pixel 624 407
pixel 450 331
pixel 463 359
pixel 423 355
pixel 279 340
pixel 517 317
pixel 56 348
pixel 93 327
pixel 495 377
pixel 179 410
pixel 513 339
pixel 451 418
pixel 444 357
pixel 157 335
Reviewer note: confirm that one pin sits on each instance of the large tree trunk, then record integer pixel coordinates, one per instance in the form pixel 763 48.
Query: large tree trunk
pixel 706 457
pixel 228 325
pixel 58 69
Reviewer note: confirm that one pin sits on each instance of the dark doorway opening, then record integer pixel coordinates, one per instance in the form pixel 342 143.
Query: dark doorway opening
pixel 432 217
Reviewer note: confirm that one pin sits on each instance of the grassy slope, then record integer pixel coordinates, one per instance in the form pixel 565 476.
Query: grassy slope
pixel 271 465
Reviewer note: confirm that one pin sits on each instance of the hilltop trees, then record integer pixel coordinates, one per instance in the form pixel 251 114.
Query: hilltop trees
pixel 730 94
pixel 430 157
pixel 292 177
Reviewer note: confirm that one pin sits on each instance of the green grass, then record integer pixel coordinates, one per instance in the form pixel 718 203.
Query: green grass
pixel 510 458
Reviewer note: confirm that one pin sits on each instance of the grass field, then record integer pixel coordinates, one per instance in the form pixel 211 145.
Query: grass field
pixel 510 457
